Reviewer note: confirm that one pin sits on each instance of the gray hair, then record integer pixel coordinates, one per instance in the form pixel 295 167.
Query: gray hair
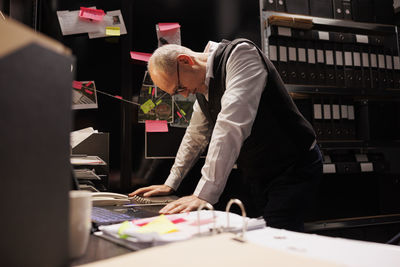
pixel 164 57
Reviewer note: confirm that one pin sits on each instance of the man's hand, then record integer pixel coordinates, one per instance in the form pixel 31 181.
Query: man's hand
pixel 184 204
pixel 153 190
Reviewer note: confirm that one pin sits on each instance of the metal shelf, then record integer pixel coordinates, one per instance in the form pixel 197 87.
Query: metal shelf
pixel 337 24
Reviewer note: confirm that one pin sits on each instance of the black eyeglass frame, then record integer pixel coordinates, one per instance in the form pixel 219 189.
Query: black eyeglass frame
pixel 179 88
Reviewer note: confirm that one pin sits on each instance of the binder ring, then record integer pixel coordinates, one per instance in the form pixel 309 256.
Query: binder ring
pixel 240 204
pixel 208 206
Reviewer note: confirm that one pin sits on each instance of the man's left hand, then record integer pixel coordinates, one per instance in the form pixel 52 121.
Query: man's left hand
pixel 184 204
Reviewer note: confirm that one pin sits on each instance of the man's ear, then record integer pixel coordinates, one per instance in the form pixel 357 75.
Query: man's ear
pixel 185 59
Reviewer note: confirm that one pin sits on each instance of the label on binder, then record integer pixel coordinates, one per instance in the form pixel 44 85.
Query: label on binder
pixel 284 31
pixel 329 168
pixel 361 38
pixel 367 167
pixel 323 35
pixel 273 53
pixel 292 54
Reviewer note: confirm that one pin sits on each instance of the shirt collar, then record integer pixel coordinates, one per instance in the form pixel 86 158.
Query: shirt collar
pixel 210 48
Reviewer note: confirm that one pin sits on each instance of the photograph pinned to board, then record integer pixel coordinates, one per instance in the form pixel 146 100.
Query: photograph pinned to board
pixel 112 20
pixel 84 95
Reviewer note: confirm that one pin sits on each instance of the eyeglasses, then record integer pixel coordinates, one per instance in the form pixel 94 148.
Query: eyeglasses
pixel 179 88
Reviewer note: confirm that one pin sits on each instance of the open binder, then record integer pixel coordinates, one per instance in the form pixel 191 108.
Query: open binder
pixel 184 226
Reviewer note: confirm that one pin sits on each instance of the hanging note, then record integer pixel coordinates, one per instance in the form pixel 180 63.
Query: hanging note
pixel 113 31
pixel 164 27
pixel 160 126
pixel 91 13
pixel 140 56
pixel 147 106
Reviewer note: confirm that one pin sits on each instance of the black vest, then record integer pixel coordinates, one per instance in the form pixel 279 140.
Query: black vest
pixel 279 136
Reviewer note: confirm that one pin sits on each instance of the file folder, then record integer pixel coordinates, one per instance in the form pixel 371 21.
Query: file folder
pixel 321 75
pixel 281 5
pixel 374 68
pixel 330 64
pixel 312 61
pixel 358 76
pixel 347 10
pixel 328 120
pixel 396 74
pixel 292 65
pixel 302 66
pixel 283 60
pixel 321 8
pixel 337 129
pixel 363 10
pixel 337 9
pixel 297 7
pixel 366 71
pixel 270 5
pixel 348 65
pixel 317 117
pixel 340 79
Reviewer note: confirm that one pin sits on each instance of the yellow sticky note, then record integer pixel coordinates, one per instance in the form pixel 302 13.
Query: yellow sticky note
pixel 125 225
pixel 158 102
pixel 147 106
pixel 113 31
pixel 183 112
pixel 160 225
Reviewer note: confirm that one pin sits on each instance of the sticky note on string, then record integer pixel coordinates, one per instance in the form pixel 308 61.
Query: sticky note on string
pixel 140 56
pixel 77 85
pixel 158 102
pixel 183 112
pixel 160 225
pixel 113 31
pixel 147 106
pixel 164 27
pixel 160 126
pixel 91 13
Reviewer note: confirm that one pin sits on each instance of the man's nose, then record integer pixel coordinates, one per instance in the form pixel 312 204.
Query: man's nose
pixel 185 93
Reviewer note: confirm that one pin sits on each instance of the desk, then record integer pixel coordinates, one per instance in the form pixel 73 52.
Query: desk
pixel 100 249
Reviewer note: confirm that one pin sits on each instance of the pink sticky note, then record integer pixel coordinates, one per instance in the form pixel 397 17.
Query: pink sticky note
pixel 156 126
pixel 117 96
pixel 76 85
pixel 164 27
pixel 140 56
pixel 91 13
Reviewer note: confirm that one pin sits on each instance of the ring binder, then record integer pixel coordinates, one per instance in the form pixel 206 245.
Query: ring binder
pixel 210 207
pixel 244 228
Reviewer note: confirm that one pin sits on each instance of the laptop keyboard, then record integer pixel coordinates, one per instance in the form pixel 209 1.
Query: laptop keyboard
pixel 105 216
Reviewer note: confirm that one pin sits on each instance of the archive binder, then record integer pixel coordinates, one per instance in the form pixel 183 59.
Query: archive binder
pixel 321 8
pixel 337 9
pixel 283 60
pixel 348 65
pixel 302 66
pixel 330 64
pixel 340 79
pixel 319 49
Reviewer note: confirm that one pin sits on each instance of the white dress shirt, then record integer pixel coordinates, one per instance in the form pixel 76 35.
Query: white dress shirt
pixel 246 78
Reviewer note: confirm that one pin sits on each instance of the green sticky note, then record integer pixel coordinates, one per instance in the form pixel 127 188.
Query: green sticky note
pixel 147 106
pixel 158 102
pixel 183 112
pixel 113 31
pixel 150 90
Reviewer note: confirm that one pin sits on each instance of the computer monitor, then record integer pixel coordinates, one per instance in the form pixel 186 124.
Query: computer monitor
pixel 35 108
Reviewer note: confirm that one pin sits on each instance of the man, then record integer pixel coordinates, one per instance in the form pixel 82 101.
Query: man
pixel 245 114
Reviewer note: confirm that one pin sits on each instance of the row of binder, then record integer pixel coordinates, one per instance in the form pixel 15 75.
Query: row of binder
pixel 334 64
pixel 350 163
pixel 385 41
pixel 380 11
pixel 334 119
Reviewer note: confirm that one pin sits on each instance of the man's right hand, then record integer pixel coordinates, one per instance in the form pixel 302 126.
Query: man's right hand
pixel 153 190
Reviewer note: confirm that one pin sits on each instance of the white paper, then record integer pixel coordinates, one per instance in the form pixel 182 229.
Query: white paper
pixel 77 137
pixel 111 19
pixel 70 23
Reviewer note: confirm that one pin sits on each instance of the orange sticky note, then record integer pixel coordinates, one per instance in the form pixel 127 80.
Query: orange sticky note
pixel 164 27
pixel 156 126
pixel 91 13
pixel 140 56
